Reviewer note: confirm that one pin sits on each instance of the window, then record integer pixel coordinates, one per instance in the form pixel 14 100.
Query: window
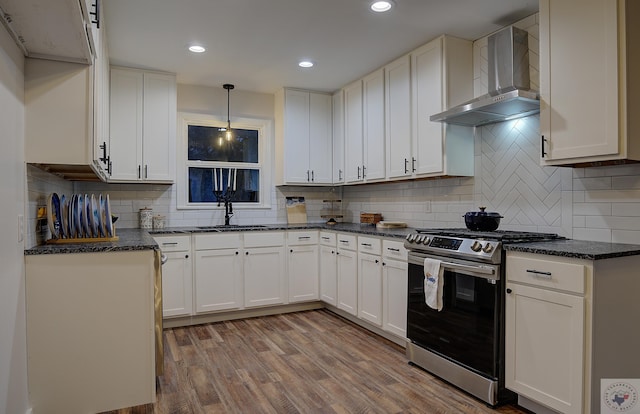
pixel 210 166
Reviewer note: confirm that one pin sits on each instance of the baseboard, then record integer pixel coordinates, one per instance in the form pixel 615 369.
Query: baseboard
pixel 373 328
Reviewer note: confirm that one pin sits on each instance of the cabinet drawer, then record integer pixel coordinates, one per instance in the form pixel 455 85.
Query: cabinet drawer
pixel 327 238
pixel 263 239
pixel 547 273
pixel 369 245
pixel 173 243
pixel 394 249
pixel 302 237
pixel 347 241
pixel 218 241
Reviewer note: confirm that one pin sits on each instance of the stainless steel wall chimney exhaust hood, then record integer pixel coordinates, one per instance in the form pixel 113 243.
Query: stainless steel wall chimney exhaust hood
pixel 509 94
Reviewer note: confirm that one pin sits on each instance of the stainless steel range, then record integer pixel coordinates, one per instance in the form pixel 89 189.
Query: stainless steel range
pixel 464 342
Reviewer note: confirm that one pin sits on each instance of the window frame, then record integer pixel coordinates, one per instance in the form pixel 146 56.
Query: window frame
pixel 264 128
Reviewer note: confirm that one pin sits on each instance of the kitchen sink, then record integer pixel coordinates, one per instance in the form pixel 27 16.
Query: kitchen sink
pixel 233 227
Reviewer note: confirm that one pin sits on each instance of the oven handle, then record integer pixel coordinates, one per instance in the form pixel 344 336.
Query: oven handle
pixel 476 269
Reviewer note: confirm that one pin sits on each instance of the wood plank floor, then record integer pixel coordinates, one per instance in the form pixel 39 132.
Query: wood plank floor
pixel 305 362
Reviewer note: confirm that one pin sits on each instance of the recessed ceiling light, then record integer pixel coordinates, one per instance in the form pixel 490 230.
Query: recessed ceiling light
pixel 381 6
pixel 305 64
pixel 197 49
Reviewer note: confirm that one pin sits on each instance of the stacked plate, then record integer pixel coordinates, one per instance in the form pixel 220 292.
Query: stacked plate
pixel 79 216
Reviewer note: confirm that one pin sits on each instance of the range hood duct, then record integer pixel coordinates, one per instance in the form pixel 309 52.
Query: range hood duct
pixel 509 94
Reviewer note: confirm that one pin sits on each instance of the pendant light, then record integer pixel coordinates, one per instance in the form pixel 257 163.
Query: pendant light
pixel 228 134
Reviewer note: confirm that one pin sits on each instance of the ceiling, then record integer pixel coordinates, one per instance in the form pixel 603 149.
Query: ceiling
pixel 256 44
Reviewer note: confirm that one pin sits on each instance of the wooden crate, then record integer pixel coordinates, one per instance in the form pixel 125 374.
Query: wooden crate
pixel 370 218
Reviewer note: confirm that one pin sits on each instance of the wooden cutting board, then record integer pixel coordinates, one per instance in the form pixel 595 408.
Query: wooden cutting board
pixel 391 224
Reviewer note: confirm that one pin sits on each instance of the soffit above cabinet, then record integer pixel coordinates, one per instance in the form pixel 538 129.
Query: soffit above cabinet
pixel 49 29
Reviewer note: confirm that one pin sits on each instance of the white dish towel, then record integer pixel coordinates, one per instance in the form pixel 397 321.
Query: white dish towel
pixel 433 282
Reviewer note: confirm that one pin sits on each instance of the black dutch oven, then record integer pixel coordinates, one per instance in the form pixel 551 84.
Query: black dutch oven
pixel 481 220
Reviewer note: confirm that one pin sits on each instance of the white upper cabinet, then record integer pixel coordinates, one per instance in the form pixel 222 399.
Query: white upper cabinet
pixel 303 137
pixel 587 107
pixel 338 137
pixel 400 162
pixel 143 126
pixel 65 30
pixel 441 77
pixel 364 128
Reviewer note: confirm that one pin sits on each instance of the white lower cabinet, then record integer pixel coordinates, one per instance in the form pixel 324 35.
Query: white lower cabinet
pixel 302 265
pixel 218 280
pixel 177 277
pixel 218 272
pixel 394 287
pixel 265 278
pixel 347 273
pixel 370 280
pixel 566 327
pixel 328 268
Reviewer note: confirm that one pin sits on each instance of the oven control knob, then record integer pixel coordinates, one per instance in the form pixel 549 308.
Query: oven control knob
pixel 476 246
pixel 411 238
pixel 426 240
pixel 488 248
pixel 419 238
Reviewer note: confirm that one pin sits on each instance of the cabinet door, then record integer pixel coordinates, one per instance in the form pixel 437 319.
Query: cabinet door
pixel 585 33
pixel 177 299
pixel 544 339
pixel 338 137
pixel 218 280
pixel 126 124
pixel 373 121
pixel 296 132
pixel 264 276
pixel 328 275
pixel 159 127
pixel 394 296
pixel 370 288
pixel 320 143
pixel 353 132
pixel 303 273
pixel 348 281
pixel 398 118
pixel 427 99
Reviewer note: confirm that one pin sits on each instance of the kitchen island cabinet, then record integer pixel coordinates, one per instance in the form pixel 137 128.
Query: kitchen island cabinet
pixel 565 317
pixel 589 125
pixel 90 330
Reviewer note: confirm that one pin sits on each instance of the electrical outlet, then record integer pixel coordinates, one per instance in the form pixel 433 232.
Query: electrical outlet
pixel 20 228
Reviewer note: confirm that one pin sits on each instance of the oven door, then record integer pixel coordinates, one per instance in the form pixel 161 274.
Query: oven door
pixel 467 329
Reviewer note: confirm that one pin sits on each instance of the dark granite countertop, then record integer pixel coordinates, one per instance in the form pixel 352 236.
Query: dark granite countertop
pixel 130 240
pixel 357 228
pixel 580 249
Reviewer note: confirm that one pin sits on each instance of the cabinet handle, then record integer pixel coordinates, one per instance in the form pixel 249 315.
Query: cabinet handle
pixel 304 237
pixel 332 252
pixel 307 175
pixel 96 14
pixel 339 175
pixel 104 157
pixel 546 275
pixel 393 249
pixel 139 169
pixel 186 256
pixel 237 253
pixel 363 172
pixel 413 164
pixel 358 172
pixel 337 253
pixel 366 244
pixel 246 253
pixel 344 241
pixel 291 251
pixel 543 151
pixel 406 168
pixel 325 238
pixel 384 264
pixel 509 290
pixel 146 171
pixel 312 177
pixel 170 243
pixel 110 168
pixel 377 261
